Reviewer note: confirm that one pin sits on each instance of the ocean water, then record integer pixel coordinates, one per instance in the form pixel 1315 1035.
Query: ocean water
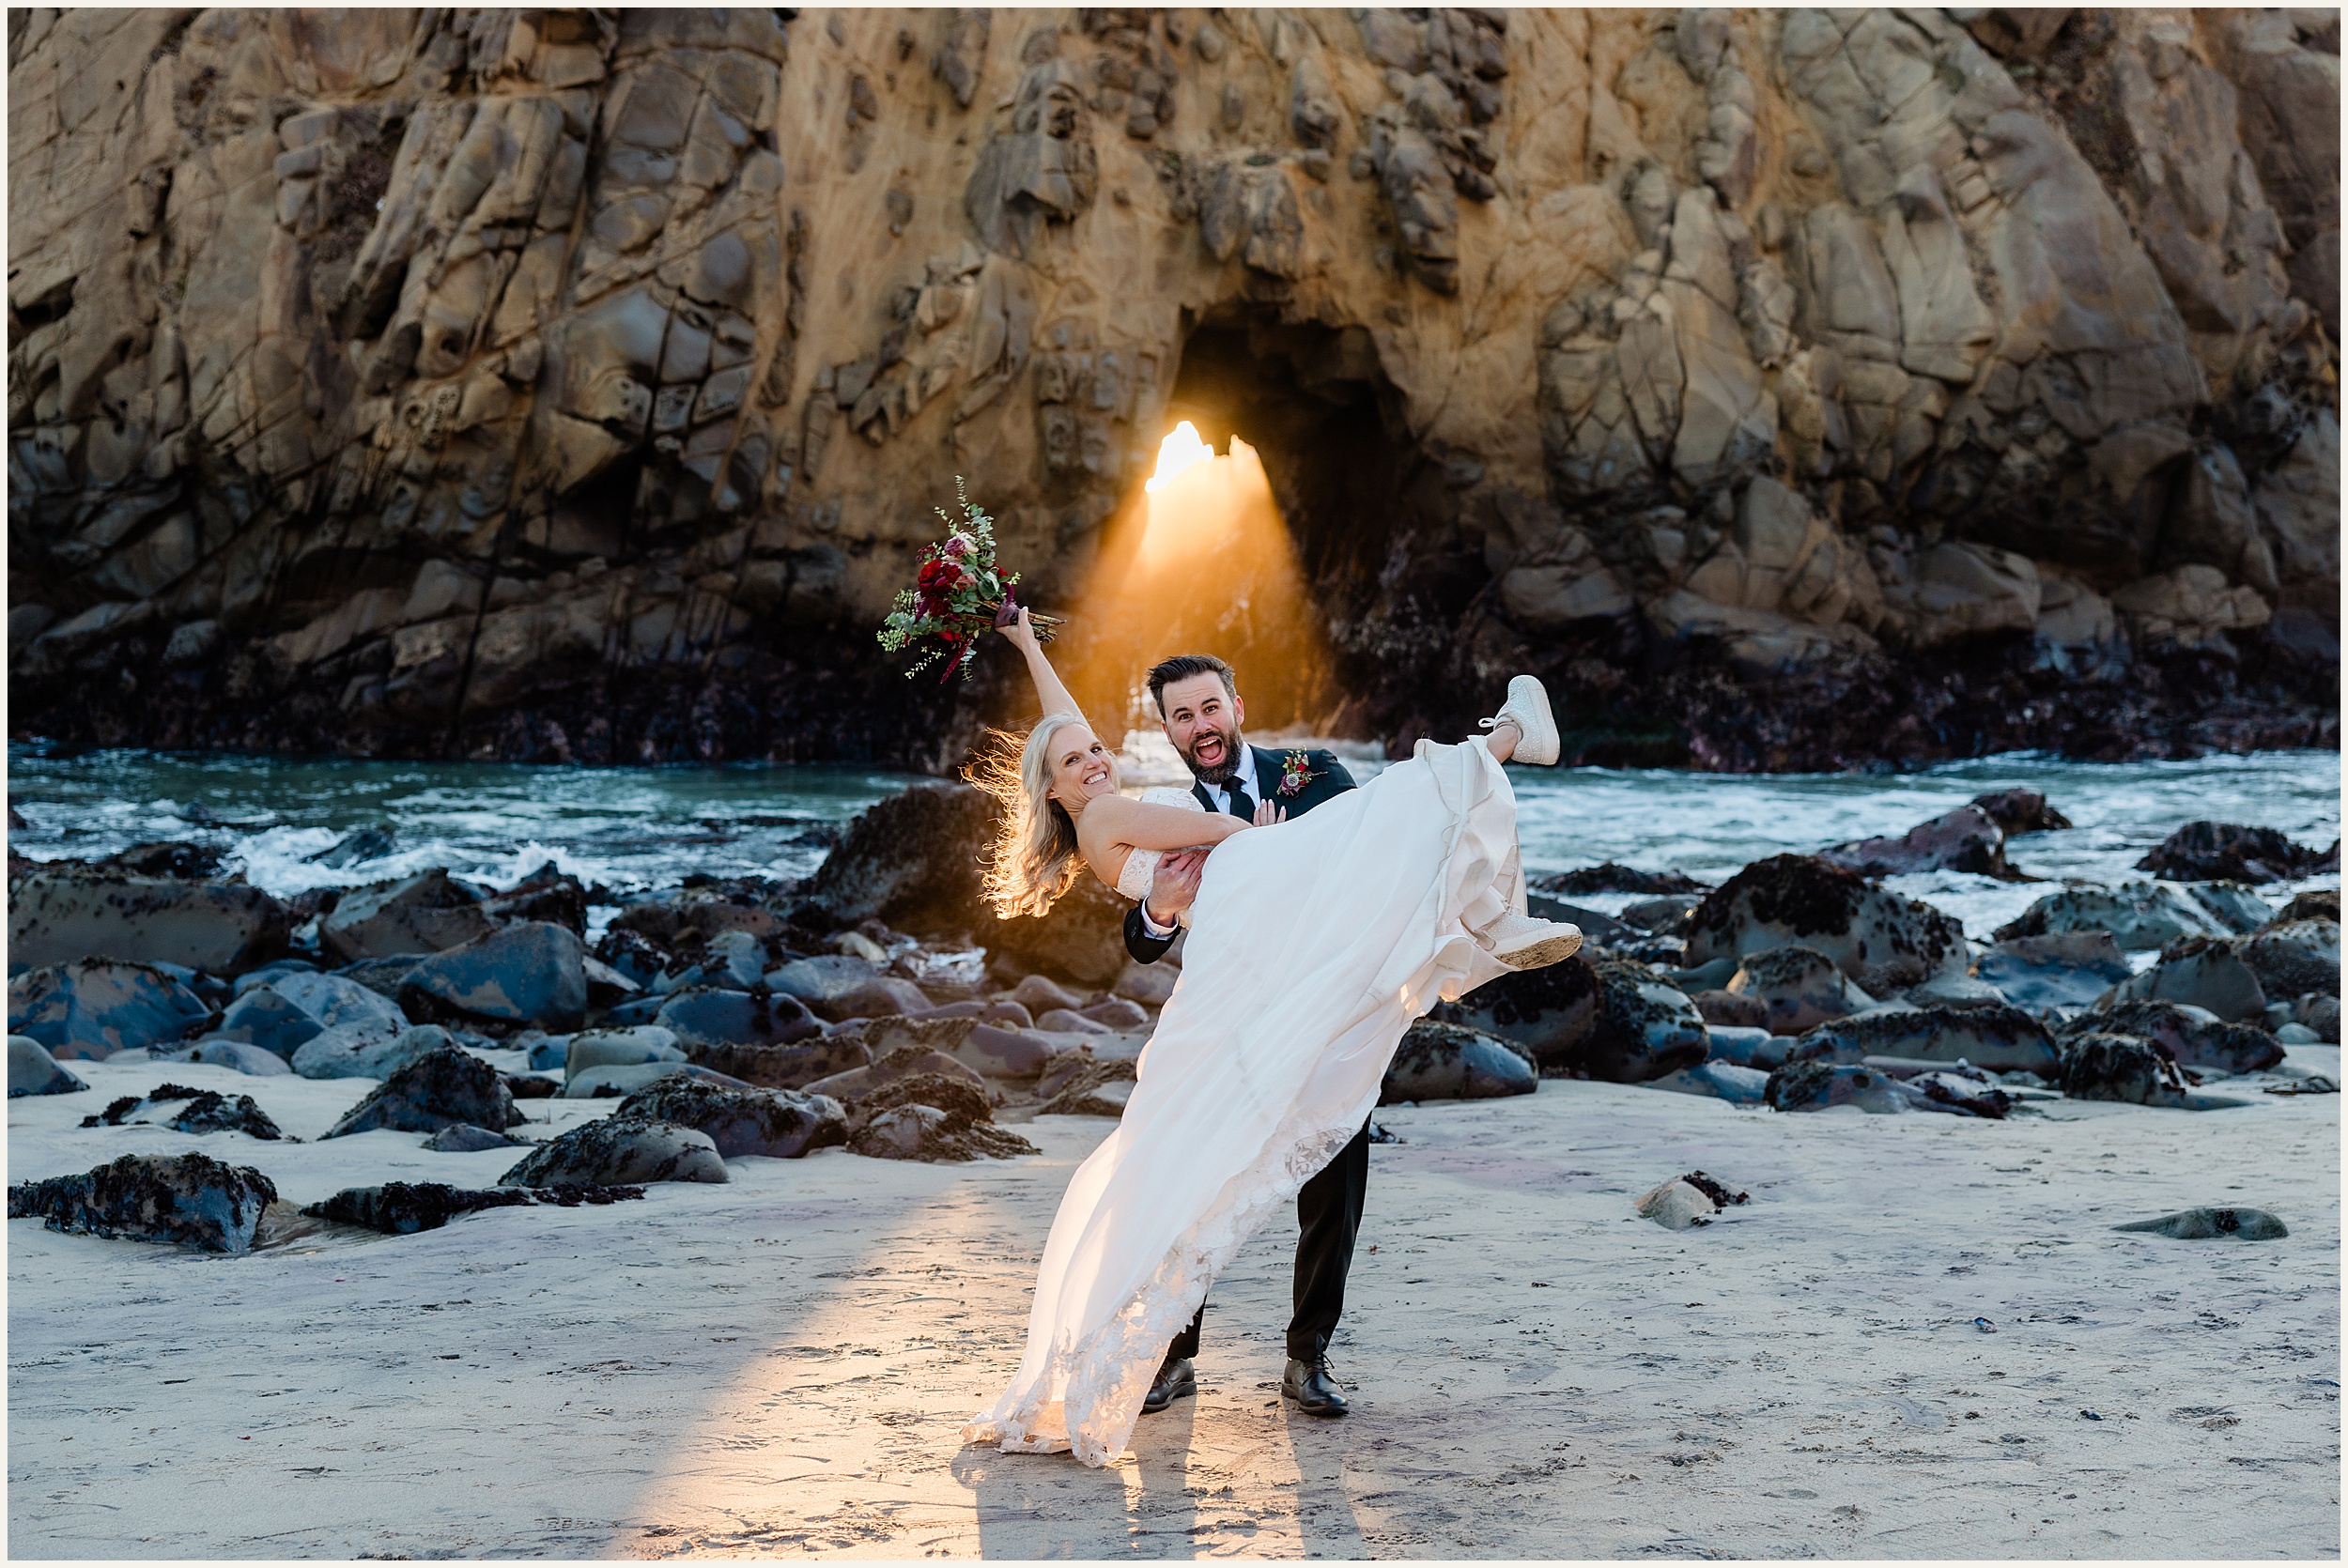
pixel 644 827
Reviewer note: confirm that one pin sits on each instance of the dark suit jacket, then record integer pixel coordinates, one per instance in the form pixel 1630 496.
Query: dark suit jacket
pixel 1329 780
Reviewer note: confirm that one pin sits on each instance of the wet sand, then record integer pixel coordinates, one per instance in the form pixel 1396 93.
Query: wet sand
pixel 778 1366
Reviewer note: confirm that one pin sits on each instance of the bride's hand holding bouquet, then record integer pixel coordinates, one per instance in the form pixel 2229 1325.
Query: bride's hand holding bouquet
pixel 958 595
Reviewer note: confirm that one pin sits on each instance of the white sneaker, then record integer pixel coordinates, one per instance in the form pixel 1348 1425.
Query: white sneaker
pixel 1527 708
pixel 1522 942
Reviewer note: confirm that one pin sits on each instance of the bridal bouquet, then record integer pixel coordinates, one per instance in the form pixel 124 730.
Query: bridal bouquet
pixel 958 596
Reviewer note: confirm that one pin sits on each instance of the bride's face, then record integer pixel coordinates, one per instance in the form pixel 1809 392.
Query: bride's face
pixel 1081 768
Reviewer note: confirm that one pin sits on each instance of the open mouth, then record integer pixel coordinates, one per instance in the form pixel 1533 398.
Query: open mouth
pixel 1208 750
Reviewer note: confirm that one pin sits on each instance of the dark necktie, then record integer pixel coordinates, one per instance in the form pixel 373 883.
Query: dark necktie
pixel 1242 806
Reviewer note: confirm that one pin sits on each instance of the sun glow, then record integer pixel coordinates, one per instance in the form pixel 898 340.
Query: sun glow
pixel 1181 450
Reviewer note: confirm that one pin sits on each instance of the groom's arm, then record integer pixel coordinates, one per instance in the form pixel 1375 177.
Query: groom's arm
pixel 1144 948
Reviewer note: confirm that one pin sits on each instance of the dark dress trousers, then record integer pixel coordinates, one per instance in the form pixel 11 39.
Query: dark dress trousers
pixel 1329 1207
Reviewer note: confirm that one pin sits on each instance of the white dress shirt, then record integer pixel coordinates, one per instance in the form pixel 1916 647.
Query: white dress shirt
pixel 1222 798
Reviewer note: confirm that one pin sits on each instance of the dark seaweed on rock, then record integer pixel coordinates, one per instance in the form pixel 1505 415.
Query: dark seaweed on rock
pixel 207 1110
pixel 1609 877
pixel 189 1199
pixel 405 1207
pixel 1805 895
pixel 2228 852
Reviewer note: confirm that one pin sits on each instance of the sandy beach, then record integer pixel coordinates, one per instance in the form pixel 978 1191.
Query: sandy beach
pixel 778 1366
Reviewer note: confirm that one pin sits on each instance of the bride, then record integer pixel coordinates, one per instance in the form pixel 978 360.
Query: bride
pixel 1314 944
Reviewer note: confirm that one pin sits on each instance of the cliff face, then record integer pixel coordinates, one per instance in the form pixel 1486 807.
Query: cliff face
pixel 1791 388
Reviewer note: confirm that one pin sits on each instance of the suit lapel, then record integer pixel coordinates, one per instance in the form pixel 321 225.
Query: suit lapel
pixel 1204 799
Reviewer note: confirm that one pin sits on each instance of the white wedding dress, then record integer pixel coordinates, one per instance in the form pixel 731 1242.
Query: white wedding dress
pixel 1314 944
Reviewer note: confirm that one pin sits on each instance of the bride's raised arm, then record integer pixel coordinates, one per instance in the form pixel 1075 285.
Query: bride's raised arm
pixel 1048 688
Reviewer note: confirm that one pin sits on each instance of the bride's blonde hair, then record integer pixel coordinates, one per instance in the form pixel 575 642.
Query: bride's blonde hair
pixel 1034 858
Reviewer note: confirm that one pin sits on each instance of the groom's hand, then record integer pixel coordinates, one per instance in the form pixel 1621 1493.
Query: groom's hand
pixel 1176 886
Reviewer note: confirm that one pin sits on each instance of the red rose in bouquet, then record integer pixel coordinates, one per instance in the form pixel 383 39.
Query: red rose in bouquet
pixel 957 594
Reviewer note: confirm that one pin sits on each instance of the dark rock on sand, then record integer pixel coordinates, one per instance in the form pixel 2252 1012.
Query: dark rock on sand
pixel 2208 1225
pixel 1006 1054
pixel 2229 852
pixel 931 1118
pixel 2020 810
pixel 2192 1037
pixel 1610 878
pixel 368 1050
pixel 62 913
pixel 776 1123
pixel 608 1152
pixel 705 1019
pixel 1086 1088
pixel 1082 938
pixel 447 1085
pixel 191 1200
pixel 33 1072
pixel 1796 988
pixel 2294 958
pixel 2202 972
pixel 405 1207
pixel 1965 840
pixel 2320 905
pixel 906 860
pixel 1817 1085
pixel 531 972
pixel 2122 1068
pixel 428 913
pixel 1551 1011
pixel 88 1010
pixel 263 1018
pixel 1727 1009
pixel 906 1061
pixel 1645 1027
pixel 783 1066
pixel 2137 914
pixel 2064 971
pixel 465 1138
pixel 198 1111
pixel 1450 1060
pixel 1661 914
pixel 1994 1037
pixel 1883 940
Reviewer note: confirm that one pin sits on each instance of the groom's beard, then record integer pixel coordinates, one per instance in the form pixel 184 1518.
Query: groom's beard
pixel 1223 771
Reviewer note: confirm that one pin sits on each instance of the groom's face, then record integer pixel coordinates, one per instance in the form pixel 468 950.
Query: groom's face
pixel 1202 720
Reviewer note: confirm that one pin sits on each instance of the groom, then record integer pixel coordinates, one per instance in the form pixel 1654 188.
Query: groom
pixel 1198 705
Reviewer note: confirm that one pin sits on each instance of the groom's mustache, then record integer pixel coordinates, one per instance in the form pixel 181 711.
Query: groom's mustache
pixel 1220 758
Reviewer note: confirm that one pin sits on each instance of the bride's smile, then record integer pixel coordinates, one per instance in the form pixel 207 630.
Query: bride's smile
pixel 1083 771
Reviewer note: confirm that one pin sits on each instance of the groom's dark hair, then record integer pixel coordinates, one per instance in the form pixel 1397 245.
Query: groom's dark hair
pixel 1182 666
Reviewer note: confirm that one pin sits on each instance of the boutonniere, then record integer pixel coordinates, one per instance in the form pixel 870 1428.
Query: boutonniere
pixel 1295 772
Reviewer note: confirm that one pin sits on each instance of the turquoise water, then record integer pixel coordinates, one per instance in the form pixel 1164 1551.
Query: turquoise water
pixel 637 827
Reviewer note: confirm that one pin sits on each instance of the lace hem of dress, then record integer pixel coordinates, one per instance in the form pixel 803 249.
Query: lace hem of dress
pixel 1108 1375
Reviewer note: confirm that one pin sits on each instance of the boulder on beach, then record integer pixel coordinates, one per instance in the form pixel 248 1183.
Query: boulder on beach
pixel 1610 878
pixel 1086 1088
pixel 708 1017
pixel 405 1207
pixel 2323 903
pixel 2139 915
pixel 1146 984
pixel 235 1055
pixel 1727 1009
pixel 428 913
pixel 545 894
pixel 88 1010
pixel 1006 1054
pixel 608 1152
pixel 2318 1016
pixel 368 1050
pixel 186 1110
pixel 778 1124
pixel 382 976
pixel 2192 1037
pixel 2019 810
pixel 531 972
pixel 1661 914
pixel 465 1138
pixel 1083 937
pixel 33 1072
pixel 1450 1060
pixel 1965 840
pixel 2229 852
pixel 189 1200
pixel 1551 1011
pixel 2202 972
pixel 1820 1086
pixel 2294 959
pixel 2234 906
pixel 783 1066
pixel 1645 1027
pixel 2066 970
pixel 182 862
pixel 264 1018
pixel 2208 1225
pixel 1739 1085
pixel 1795 987
pixel 2122 1067
pixel 443 1087
pixel 935 1120
pixel 1883 940
pixel 335 999
pixel 1686 1202
pixel 61 913
pixel 1747 1047
pixel 1996 1038
pixel 906 860
pixel 605 1047
pixel 905 1061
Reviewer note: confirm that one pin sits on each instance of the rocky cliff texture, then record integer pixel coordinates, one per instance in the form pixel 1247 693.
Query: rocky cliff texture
pixel 1792 388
